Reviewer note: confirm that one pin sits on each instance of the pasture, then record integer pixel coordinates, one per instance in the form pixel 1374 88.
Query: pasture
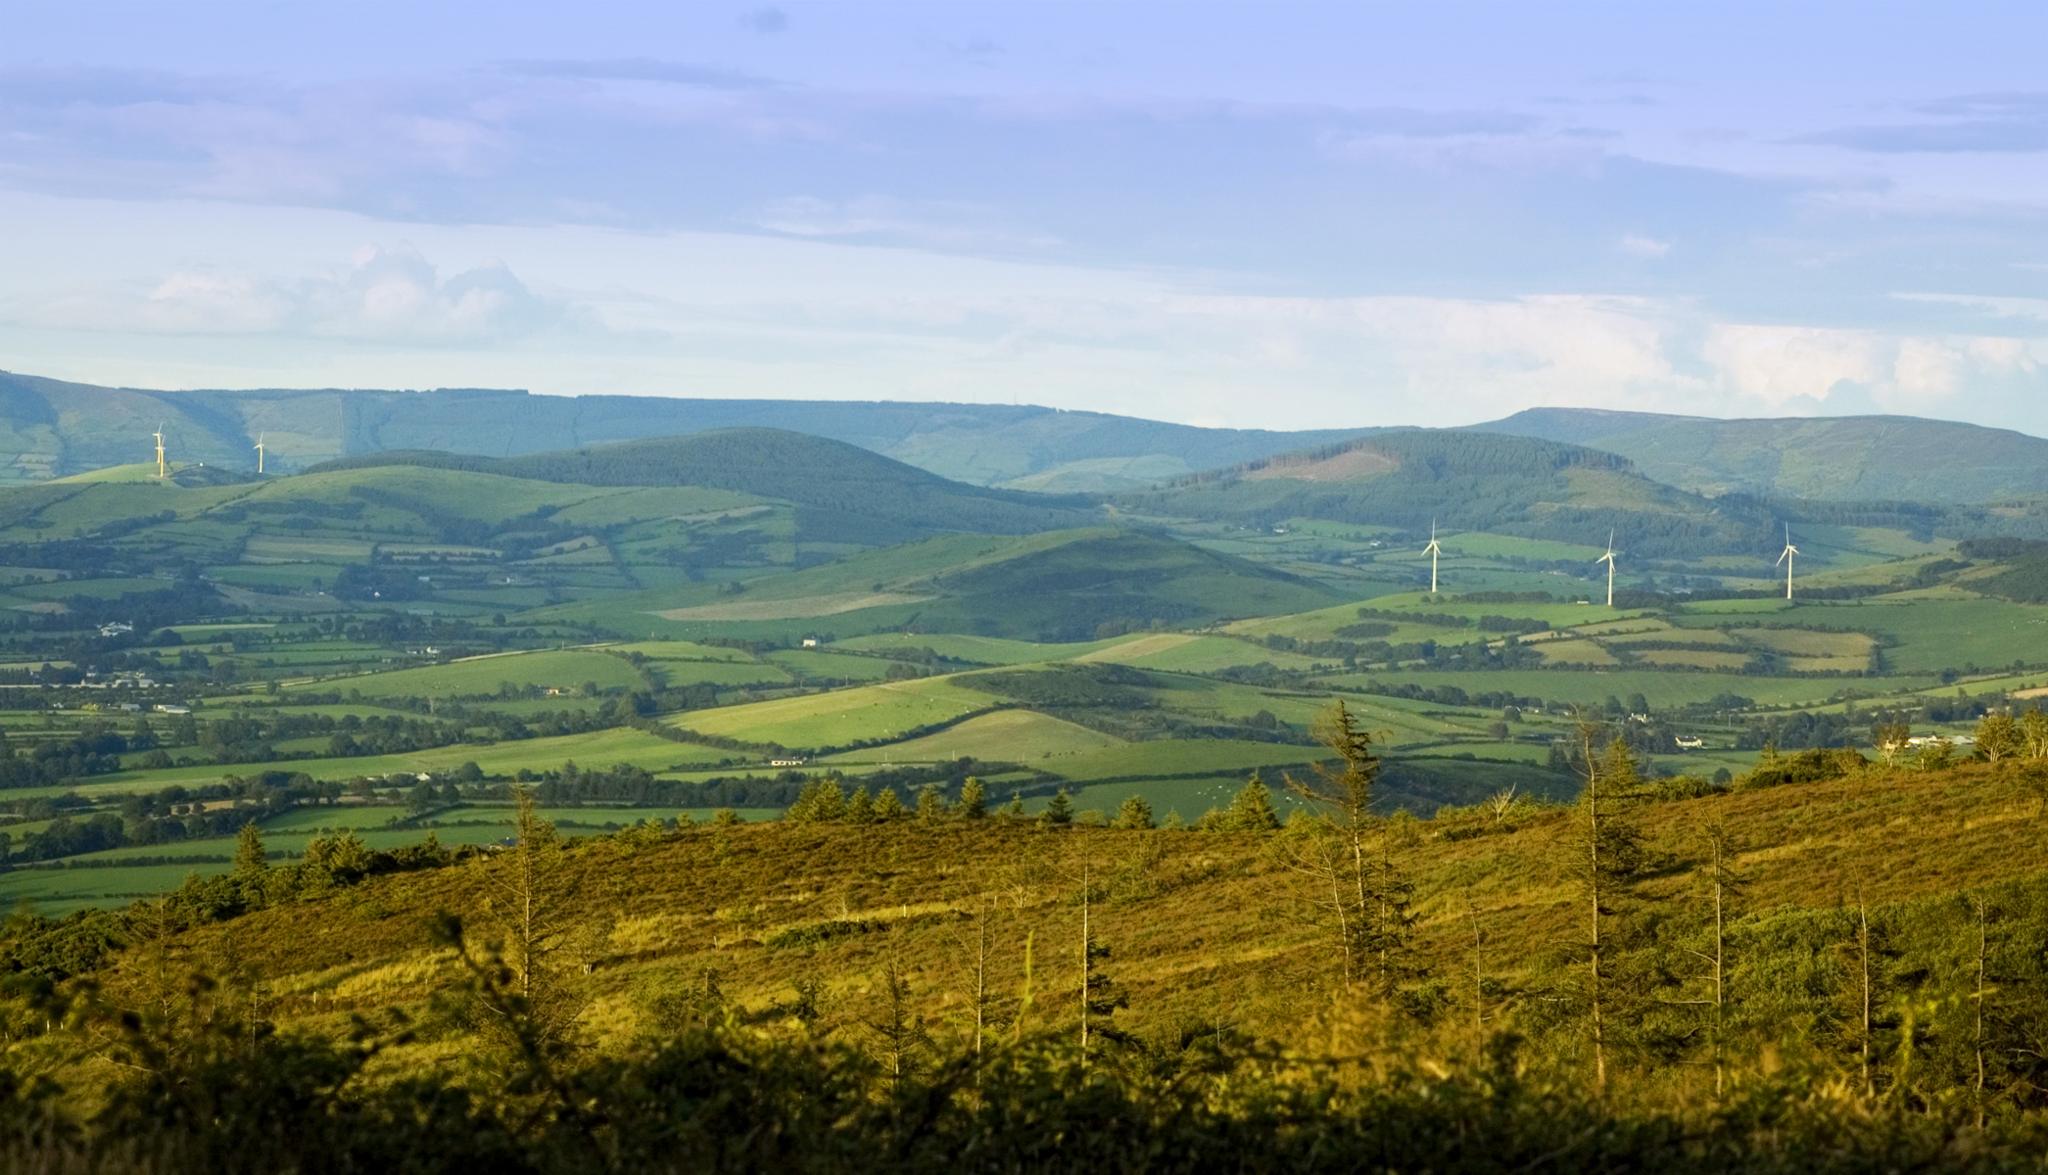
pixel 1002 736
pixel 567 670
pixel 868 713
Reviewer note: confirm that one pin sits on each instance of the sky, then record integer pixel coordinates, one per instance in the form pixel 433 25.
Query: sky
pixel 1258 215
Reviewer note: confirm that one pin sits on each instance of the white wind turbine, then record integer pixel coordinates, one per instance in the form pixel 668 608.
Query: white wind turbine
pixel 1785 557
pixel 259 452
pixel 162 470
pixel 1608 559
pixel 1432 550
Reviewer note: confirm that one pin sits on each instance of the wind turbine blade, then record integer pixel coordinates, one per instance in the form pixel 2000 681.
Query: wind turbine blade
pixel 1782 556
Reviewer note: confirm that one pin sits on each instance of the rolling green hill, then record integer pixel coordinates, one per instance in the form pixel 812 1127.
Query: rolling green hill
pixel 51 428
pixel 1059 586
pixel 1491 482
pixel 1835 458
pixel 837 487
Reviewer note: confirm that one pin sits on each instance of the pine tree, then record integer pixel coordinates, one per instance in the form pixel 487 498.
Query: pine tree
pixel 251 861
pixel 524 888
pixel 980 952
pixel 1724 886
pixel 1099 998
pixel 888 805
pixel 820 801
pixel 860 807
pixel 898 1030
pixel 931 806
pixel 1014 810
pixel 1134 812
pixel 1608 856
pixel 1251 810
pixel 1059 809
pixel 973 799
pixel 1348 857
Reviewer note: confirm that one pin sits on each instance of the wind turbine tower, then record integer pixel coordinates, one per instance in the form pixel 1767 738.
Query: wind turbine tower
pixel 1432 550
pixel 1608 559
pixel 259 452
pixel 1785 557
pixel 162 470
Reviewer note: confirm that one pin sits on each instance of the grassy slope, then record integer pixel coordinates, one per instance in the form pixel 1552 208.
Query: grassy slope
pixel 1200 923
pixel 566 669
pixel 1058 586
pixel 841 716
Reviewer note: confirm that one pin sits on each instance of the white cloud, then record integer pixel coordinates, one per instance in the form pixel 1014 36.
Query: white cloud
pixel 1799 368
pixel 384 295
pixel 1647 248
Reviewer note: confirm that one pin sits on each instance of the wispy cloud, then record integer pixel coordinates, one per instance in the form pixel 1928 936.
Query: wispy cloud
pixel 2012 121
pixel 922 224
pixel 1646 247
pixel 640 69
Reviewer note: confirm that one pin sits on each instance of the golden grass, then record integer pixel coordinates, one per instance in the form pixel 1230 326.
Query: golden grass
pixel 1201 924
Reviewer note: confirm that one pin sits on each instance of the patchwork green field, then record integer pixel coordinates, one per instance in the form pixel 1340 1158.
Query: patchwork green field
pixel 1004 736
pixel 563 671
pixel 871 713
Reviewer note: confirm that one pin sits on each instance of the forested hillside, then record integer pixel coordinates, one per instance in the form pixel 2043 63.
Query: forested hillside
pixel 1509 485
pixel 1837 457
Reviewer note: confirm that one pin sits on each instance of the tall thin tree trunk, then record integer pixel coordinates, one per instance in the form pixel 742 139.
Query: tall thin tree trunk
pixel 1593 886
pixel 1478 975
pixel 1978 1036
pixel 980 981
pixel 1720 971
pixel 1344 937
pixel 1863 949
pixel 1087 964
pixel 1358 870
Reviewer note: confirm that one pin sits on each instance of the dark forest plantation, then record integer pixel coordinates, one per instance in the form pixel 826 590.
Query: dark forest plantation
pixel 1000 789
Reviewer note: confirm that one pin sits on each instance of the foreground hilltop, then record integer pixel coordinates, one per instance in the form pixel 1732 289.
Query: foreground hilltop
pixel 1787 978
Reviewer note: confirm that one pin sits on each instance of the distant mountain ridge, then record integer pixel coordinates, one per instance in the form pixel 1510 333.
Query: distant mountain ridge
pixel 49 428
pixel 1828 458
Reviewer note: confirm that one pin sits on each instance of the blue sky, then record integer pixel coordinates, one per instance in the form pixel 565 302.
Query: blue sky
pixel 1277 214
